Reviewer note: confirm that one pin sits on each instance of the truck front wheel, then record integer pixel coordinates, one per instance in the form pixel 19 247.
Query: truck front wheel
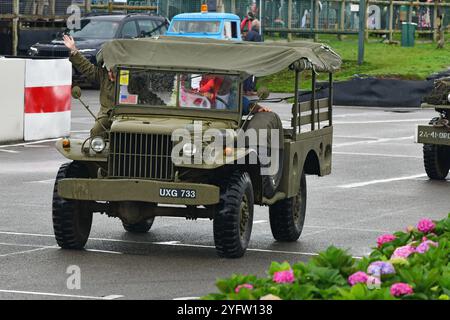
pixel 287 216
pixel 72 219
pixel 436 160
pixel 233 219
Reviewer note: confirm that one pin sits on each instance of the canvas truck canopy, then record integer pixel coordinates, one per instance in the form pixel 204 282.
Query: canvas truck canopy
pixel 257 59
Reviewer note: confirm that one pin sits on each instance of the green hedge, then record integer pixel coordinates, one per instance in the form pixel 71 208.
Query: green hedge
pixel 410 264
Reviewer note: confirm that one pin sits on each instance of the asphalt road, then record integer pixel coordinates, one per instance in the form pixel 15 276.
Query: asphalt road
pixel 378 185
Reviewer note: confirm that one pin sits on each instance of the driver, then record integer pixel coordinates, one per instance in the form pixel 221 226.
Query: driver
pixel 100 74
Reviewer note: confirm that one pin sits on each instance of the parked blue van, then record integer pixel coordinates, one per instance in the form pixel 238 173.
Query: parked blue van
pixel 214 25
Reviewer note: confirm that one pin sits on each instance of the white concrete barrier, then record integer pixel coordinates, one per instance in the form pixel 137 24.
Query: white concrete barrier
pixel 47 99
pixel 12 80
pixel 35 100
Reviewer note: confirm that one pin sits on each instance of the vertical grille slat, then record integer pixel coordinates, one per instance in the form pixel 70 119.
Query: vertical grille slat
pixel 140 156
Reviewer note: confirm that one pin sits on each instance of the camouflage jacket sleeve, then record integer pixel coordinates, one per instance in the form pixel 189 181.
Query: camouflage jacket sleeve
pixel 85 67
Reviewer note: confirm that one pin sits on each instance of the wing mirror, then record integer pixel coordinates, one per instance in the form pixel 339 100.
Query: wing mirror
pixel 263 93
pixel 76 92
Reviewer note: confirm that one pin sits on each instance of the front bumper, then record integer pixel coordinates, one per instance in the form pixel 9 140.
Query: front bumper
pixel 138 190
pixel 428 134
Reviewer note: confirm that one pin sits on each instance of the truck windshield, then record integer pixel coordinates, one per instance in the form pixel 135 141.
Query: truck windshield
pixel 195 26
pixel 178 90
pixel 91 29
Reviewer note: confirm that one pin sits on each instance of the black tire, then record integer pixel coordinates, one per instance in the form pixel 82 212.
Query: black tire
pixel 287 216
pixel 436 161
pixel 72 219
pixel 140 227
pixel 269 121
pixel 270 183
pixel 233 219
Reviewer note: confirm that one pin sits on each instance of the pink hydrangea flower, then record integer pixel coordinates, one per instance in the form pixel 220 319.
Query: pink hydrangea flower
pixel 385 238
pixel 358 277
pixel 400 288
pixel 403 252
pixel 286 276
pixel 425 246
pixel 426 225
pixel 245 285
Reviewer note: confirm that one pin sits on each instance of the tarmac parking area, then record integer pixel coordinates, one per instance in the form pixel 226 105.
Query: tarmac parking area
pixel 378 185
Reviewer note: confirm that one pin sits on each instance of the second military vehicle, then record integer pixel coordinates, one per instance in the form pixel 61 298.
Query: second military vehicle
pixel 436 135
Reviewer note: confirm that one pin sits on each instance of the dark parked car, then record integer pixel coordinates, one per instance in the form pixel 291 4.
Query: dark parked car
pixel 95 31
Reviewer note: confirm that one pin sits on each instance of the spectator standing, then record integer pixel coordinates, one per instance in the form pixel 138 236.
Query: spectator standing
pixel 253 36
pixel 246 24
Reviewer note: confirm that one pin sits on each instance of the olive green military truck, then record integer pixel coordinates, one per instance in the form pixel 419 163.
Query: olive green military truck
pixel 436 135
pixel 182 141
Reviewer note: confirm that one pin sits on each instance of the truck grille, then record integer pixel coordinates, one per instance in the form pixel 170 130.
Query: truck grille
pixel 137 155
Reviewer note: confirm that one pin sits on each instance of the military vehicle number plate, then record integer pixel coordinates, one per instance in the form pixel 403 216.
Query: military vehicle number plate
pixel 177 193
pixel 432 135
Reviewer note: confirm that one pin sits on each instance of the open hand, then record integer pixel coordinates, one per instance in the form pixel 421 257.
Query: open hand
pixel 69 43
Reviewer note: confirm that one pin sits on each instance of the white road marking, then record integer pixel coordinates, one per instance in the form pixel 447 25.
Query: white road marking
pixel 259 221
pixel 381 140
pixel 80 131
pixel 42 181
pixel 366 183
pixel 376 154
pixel 170 243
pixel 27 143
pixel 25 251
pixel 355 137
pixel 103 251
pixel 36 293
pixel 167 242
pixel 27 234
pixel 345 115
pixel 24 245
pixel 35 146
pixel 186 298
pixel 9 151
pixel 41 247
pixel 380 121
pixel 345 228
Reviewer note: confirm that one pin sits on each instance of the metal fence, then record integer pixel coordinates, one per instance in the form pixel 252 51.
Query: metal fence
pixel 303 17
pixel 300 17
pixel 342 16
pixel 43 8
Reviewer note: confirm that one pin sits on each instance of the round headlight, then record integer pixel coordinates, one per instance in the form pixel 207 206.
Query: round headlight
pixel 448 97
pixel 98 144
pixel 189 149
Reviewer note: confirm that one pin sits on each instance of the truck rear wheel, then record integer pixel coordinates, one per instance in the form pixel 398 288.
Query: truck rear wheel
pixel 140 227
pixel 287 216
pixel 72 219
pixel 233 219
pixel 436 160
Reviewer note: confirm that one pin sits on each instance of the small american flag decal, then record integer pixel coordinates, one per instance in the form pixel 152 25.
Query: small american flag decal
pixel 128 99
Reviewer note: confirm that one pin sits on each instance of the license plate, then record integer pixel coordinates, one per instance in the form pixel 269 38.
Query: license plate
pixel 433 135
pixel 177 193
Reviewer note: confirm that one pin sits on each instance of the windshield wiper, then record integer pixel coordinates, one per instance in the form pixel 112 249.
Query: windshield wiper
pixel 149 33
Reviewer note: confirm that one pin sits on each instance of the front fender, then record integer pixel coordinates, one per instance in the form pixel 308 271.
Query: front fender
pixel 76 153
